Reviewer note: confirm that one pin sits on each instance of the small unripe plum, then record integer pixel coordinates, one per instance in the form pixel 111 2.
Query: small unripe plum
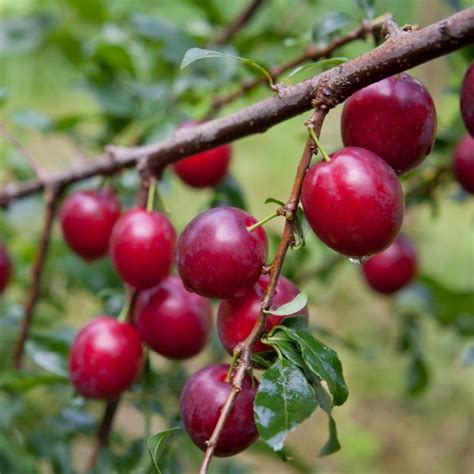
pixel 5 267
pixel 87 219
pixel 172 321
pixel 237 316
pixel 467 99
pixel 354 203
pixel 142 247
pixel 105 358
pixel 201 403
pixel 394 118
pixel 392 269
pixel 464 163
pixel 217 256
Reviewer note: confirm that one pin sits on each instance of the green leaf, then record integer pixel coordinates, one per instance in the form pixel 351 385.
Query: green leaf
pixel 323 362
pixel 332 444
pixel 292 307
pixel 47 360
pixel 417 376
pixel 323 65
pixel 195 54
pixel 20 381
pixel 156 446
pixel 451 307
pixel 368 7
pixel 284 399
pixel 330 24
pixel 290 351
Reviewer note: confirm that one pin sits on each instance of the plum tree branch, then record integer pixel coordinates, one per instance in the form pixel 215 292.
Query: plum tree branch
pixel 311 53
pixel 52 196
pixel 238 22
pixel 334 86
pixel 243 352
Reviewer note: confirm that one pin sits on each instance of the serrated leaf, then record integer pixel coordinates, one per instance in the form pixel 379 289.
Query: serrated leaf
pixel 323 362
pixel 156 446
pixel 292 307
pixel 195 54
pixel 284 399
pixel 322 65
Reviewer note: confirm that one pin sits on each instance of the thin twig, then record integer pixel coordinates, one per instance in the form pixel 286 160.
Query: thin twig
pixel 244 350
pixel 238 23
pixel 103 431
pixel 30 159
pixel 52 196
pixel 402 53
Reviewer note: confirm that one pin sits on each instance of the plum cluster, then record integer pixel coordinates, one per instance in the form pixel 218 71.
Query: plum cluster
pixel 353 201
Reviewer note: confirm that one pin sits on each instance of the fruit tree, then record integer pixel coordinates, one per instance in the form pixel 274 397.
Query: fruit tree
pixel 180 283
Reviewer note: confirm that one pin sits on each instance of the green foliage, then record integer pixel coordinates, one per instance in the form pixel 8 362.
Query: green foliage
pixel 291 388
pixel 156 446
pixel 284 399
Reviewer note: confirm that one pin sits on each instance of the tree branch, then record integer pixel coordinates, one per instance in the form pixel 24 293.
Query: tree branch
pixel 334 86
pixel 311 53
pixel 52 196
pixel 238 23
pixel 244 350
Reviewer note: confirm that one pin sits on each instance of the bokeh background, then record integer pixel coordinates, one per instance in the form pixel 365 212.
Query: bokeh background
pixel 78 74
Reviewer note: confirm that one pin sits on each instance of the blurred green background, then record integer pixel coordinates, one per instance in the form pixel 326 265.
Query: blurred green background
pixel 78 74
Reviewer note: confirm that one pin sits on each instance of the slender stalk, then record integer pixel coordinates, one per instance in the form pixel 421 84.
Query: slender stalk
pixel 318 144
pixel 52 196
pixel 263 221
pixel 244 350
pixel 150 202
